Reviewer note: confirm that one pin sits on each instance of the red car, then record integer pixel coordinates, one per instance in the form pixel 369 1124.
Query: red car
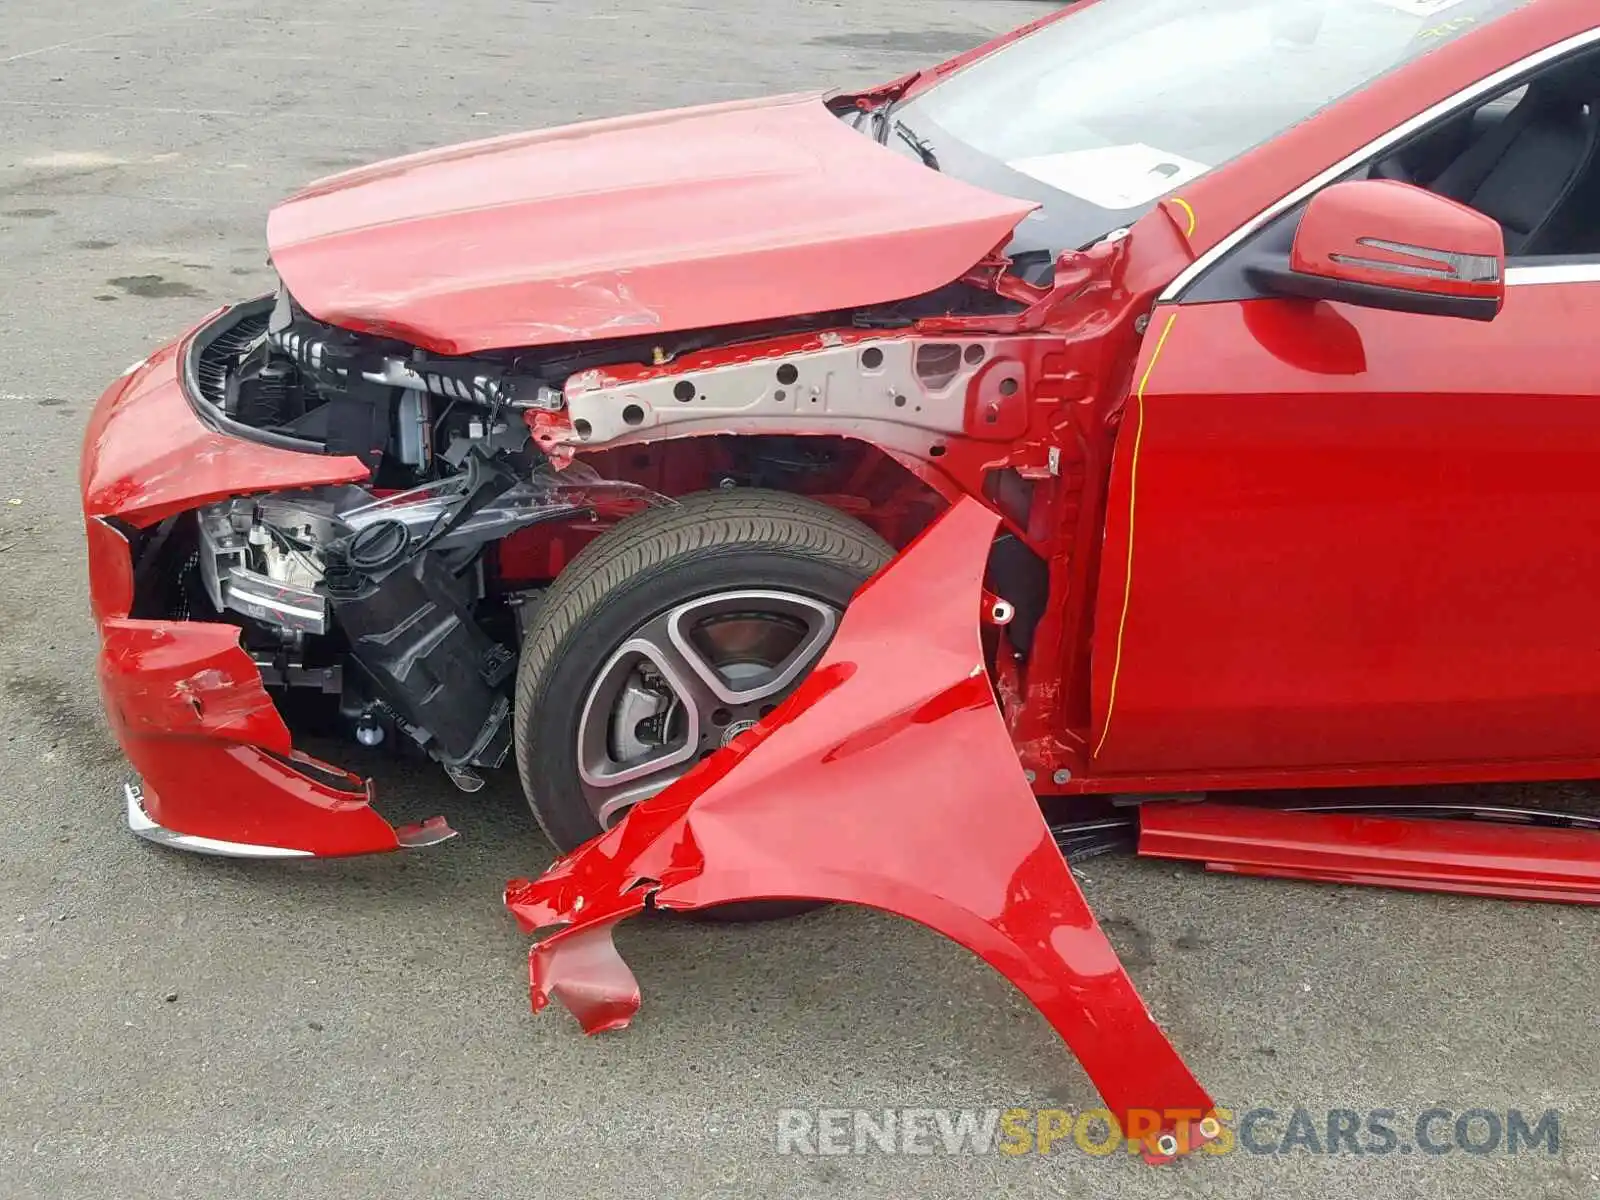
pixel 1206 392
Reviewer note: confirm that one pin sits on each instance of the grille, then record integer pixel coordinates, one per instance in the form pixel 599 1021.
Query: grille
pixel 220 356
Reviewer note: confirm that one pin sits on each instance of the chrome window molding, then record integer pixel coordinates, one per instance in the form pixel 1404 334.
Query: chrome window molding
pixel 1552 272
pixel 1484 86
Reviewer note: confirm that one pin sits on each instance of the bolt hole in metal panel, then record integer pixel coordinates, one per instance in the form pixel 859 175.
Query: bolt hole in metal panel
pixel 902 393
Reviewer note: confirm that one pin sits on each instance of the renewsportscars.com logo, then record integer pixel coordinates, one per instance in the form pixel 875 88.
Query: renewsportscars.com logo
pixel 1017 1132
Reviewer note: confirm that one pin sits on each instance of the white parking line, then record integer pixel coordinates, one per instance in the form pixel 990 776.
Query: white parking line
pixel 95 37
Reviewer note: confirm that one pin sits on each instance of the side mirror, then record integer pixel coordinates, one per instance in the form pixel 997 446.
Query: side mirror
pixel 1384 244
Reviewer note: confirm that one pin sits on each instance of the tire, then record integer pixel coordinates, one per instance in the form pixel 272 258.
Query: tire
pixel 707 543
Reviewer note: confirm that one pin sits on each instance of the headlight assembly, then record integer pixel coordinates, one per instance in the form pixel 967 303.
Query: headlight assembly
pixel 262 557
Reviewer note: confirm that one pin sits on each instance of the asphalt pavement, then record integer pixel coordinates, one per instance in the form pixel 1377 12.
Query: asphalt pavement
pixel 173 1026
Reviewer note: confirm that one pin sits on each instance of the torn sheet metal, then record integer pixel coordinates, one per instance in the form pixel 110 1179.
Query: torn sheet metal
pixel 219 772
pixel 147 455
pixel 888 779
pixel 187 704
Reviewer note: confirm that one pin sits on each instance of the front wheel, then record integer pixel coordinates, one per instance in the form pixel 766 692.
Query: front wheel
pixel 670 635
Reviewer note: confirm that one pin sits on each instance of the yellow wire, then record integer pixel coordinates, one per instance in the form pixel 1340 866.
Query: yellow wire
pixel 1133 496
pixel 1184 204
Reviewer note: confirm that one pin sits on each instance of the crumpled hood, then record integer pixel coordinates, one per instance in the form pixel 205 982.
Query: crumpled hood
pixel 686 219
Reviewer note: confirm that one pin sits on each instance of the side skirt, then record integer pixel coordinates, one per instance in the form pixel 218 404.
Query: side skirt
pixel 1478 858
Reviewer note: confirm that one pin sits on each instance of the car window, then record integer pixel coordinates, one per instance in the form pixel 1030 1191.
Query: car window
pixel 1529 158
pixel 1124 101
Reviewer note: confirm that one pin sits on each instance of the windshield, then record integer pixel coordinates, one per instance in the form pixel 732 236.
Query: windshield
pixel 1102 113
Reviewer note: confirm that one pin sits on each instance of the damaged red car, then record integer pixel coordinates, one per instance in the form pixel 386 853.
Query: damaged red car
pixel 840 497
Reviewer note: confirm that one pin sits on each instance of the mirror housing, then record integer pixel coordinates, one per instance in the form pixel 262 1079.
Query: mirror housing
pixel 1384 244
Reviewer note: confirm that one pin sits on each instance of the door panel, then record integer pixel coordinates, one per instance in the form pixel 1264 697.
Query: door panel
pixel 1357 537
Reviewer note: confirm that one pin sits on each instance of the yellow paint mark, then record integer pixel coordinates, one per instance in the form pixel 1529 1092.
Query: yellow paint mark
pixel 1133 497
pixel 1454 25
pixel 1188 212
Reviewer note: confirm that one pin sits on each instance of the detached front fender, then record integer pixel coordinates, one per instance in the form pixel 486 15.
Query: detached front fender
pixel 888 779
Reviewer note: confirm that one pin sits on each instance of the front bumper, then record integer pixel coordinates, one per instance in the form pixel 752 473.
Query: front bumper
pixel 143 824
pixel 185 700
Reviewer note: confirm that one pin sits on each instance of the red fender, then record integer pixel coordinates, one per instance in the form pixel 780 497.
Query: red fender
pixel 888 779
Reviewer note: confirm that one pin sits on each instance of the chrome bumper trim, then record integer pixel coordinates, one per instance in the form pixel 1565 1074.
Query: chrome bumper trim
pixel 140 823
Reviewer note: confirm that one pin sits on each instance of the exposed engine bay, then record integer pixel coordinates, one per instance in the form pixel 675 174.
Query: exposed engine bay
pixel 378 602
pixel 398 606
pixel 268 370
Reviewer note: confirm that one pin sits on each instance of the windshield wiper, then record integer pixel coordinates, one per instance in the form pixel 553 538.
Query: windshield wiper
pixel 918 143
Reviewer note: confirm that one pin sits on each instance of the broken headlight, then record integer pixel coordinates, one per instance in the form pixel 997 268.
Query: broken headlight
pixel 268 557
pixel 262 557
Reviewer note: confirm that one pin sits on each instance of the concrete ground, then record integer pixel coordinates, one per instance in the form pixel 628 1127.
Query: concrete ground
pixel 174 1026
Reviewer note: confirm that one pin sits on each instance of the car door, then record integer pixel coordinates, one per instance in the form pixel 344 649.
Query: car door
pixel 1344 537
